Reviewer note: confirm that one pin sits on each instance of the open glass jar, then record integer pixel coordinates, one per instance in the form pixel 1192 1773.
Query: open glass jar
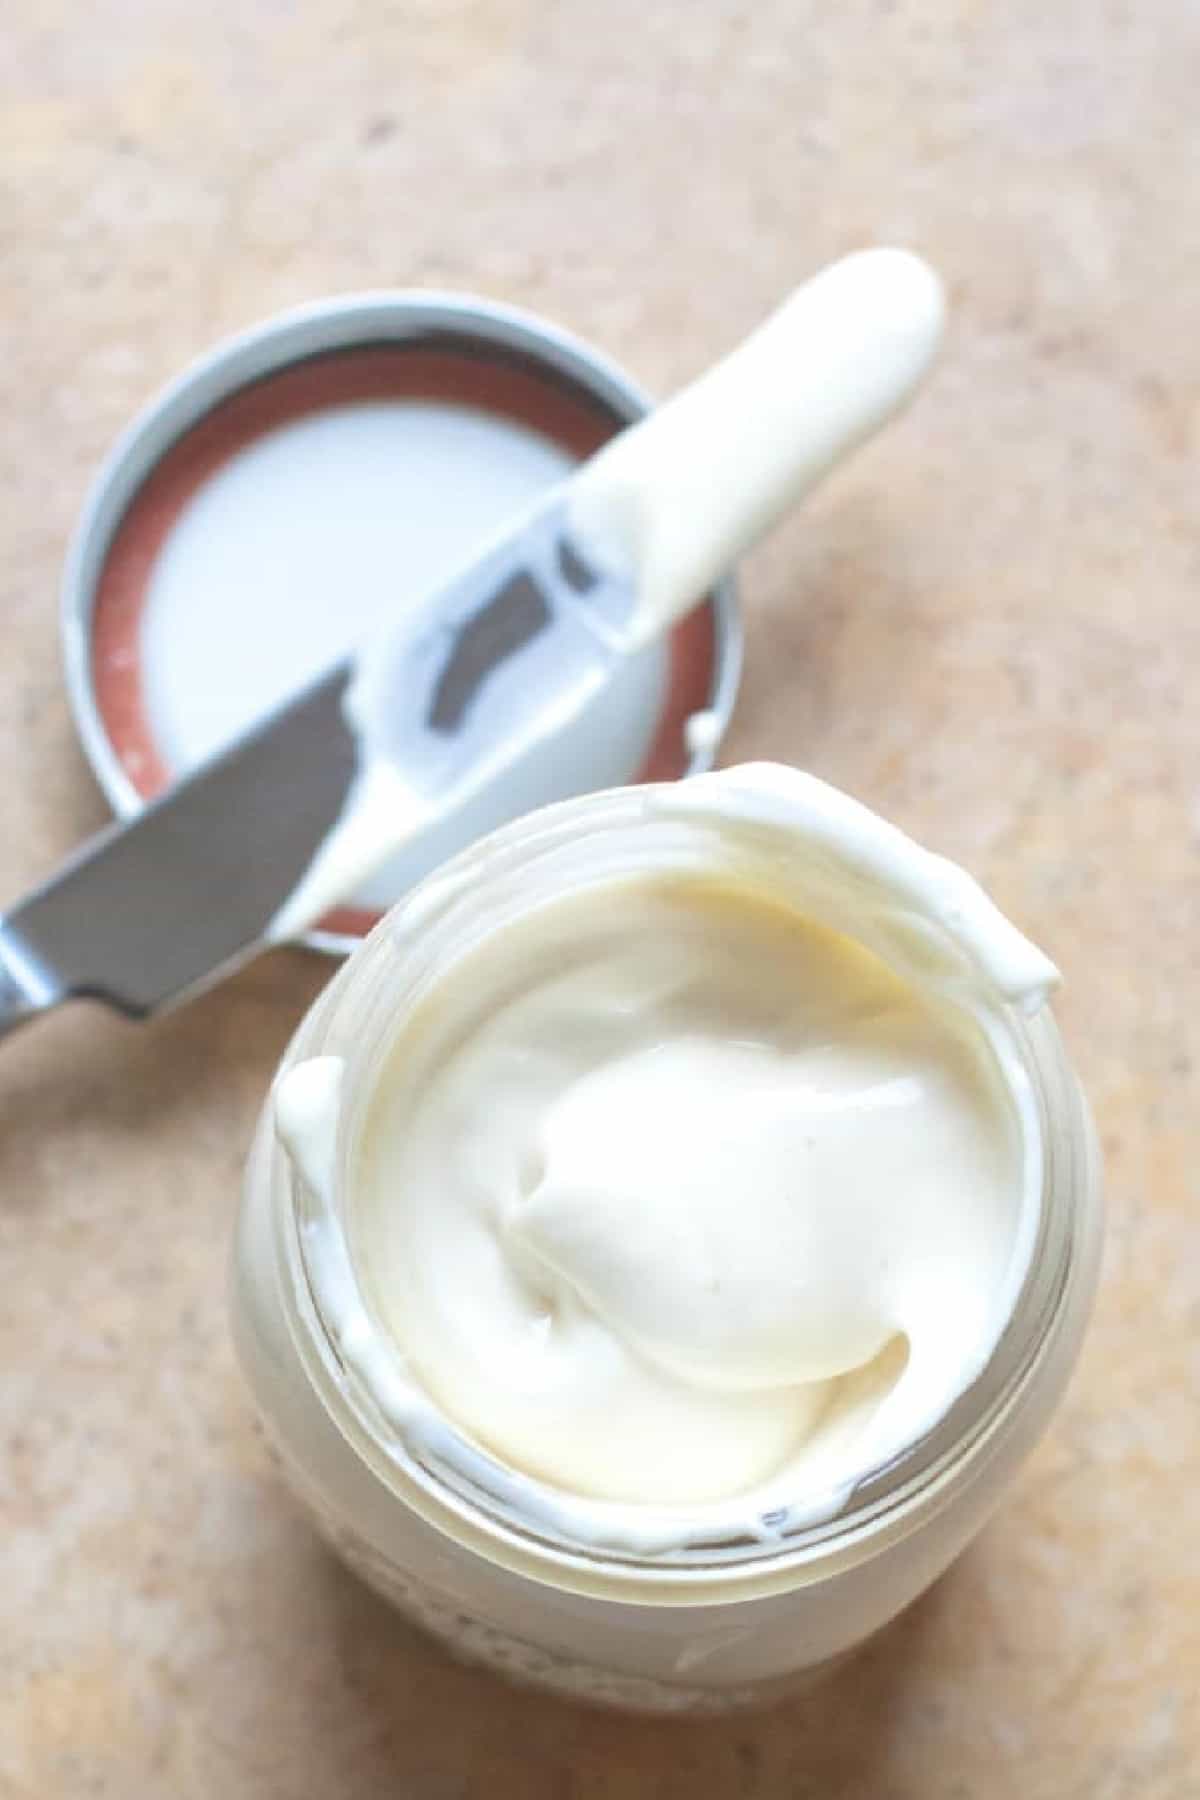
pixel 489 1561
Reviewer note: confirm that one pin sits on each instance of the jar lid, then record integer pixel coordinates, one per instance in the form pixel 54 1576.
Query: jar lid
pixel 304 479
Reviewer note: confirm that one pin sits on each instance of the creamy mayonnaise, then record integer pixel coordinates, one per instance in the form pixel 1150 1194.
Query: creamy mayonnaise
pixel 711 1187
pixel 666 506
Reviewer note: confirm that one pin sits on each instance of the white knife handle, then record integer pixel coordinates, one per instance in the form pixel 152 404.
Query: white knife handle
pixel 674 499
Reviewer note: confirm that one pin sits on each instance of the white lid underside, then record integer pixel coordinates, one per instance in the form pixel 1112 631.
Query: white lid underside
pixel 291 550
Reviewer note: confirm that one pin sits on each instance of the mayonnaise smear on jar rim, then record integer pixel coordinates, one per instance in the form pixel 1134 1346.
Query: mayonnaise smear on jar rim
pixel 683 1202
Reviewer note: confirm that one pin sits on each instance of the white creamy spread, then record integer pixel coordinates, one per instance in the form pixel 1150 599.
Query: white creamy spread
pixel 667 506
pixel 701 1192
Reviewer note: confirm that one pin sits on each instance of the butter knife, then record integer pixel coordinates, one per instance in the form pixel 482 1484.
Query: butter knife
pixel 262 837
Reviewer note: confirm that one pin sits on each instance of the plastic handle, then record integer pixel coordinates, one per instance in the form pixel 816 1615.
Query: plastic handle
pixel 674 499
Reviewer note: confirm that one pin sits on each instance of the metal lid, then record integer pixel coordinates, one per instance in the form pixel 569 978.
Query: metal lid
pixel 306 477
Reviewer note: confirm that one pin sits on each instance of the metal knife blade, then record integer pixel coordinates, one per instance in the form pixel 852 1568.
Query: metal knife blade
pixel 150 910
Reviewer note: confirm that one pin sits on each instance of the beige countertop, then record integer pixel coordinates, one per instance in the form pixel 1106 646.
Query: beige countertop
pixel 989 628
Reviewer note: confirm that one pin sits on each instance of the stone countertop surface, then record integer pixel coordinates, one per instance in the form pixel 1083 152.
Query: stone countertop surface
pixel 988 628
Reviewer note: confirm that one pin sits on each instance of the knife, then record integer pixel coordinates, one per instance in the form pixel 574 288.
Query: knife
pixel 261 838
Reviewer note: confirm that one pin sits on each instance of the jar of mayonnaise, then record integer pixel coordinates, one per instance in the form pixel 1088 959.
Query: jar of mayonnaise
pixel 666 1236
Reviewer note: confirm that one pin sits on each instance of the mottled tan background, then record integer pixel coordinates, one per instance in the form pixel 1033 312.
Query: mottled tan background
pixel 989 628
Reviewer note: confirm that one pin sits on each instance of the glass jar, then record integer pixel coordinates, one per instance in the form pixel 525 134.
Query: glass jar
pixel 695 1628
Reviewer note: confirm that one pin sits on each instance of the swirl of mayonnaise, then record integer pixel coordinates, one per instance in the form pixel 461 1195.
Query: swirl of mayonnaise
pixel 707 1183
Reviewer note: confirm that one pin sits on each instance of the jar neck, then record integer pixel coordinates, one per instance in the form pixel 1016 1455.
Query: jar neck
pixel 595 842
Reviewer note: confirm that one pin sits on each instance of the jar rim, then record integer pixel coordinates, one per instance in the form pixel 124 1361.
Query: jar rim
pixel 396 964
